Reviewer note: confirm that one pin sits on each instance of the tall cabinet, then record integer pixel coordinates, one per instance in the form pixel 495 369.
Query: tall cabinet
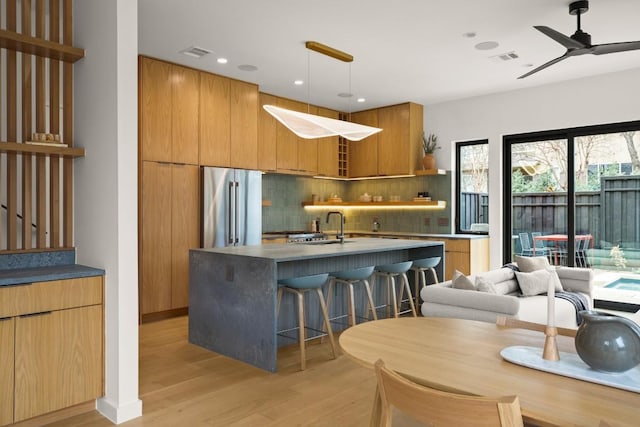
pixel 169 183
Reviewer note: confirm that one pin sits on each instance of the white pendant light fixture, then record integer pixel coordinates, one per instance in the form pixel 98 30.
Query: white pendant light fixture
pixel 310 126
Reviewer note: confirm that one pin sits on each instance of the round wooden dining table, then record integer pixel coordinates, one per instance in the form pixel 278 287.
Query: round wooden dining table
pixel 463 356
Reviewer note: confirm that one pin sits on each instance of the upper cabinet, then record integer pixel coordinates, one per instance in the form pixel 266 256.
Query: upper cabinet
pixel 169 103
pixel 228 122
pixel 400 142
pixel 328 148
pixel 267 145
pixel 363 155
pixel 394 151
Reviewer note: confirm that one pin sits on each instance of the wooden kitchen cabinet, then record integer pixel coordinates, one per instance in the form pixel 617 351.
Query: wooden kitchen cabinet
pixel 467 255
pixel 328 148
pixel 169 101
pixel 394 151
pixel 295 155
pixel 228 122
pixel 51 346
pixel 267 142
pixel 58 360
pixel 363 155
pixel 6 369
pixel 169 222
pixel 400 142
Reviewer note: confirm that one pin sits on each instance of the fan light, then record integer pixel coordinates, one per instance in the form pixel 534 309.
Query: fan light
pixel 310 126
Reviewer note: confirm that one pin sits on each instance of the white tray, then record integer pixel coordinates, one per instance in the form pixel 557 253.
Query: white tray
pixel 570 365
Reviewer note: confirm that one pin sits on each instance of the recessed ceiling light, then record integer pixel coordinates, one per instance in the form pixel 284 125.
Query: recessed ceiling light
pixel 195 51
pixel 222 60
pixel 486 45
pixel 345 95
pixel 469 35
pixel 361 100
pixel 247 67
pixel 528 65
pixel 298 82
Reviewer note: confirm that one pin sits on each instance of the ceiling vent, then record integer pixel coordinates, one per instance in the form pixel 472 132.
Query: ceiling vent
pixel 507 56
pixel 196 52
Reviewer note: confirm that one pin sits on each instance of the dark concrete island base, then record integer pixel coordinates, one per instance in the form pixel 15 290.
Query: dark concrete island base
pixel 232 290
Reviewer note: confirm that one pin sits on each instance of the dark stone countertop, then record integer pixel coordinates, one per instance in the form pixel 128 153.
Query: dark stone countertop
pixel 21 276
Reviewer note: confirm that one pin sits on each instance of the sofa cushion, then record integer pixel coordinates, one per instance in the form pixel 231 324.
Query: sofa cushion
pixel 534 283
pixel 529 264
pixel 503 280
pixel 486 286
pixel 460 281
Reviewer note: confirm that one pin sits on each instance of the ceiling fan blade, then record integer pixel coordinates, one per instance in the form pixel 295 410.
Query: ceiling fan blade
pixel 601 49
pixel 565 41
pixel 545 65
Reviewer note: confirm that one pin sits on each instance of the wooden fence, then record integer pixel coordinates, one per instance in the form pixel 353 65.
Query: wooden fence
pixel 611 214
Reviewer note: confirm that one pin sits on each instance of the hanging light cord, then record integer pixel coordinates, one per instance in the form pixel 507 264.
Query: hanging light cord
pixel 308 81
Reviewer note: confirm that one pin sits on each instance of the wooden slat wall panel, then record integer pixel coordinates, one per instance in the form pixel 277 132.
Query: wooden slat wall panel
pixel 12 134
pixel 39 187
pixel 67 103
pixel 27 123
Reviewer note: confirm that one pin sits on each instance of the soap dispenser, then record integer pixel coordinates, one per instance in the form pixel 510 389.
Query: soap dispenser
pixel 375 226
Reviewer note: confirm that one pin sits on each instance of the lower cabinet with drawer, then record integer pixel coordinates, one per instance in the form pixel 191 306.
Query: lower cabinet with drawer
pixel 467 255
pixel 51 346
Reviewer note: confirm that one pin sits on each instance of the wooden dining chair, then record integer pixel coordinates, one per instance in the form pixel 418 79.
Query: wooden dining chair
pixel 435 407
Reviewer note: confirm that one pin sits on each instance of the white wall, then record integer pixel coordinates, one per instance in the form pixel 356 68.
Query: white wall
pixel 609 98
pixel 105 123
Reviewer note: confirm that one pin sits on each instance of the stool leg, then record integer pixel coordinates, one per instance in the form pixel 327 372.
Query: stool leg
pixel 405 281
pixel 301 330
pixel 280 290
pixel 352 305
pixel 370 298
pixel 393 296
pixel 327 325
pixel 435 275
pixel 417 274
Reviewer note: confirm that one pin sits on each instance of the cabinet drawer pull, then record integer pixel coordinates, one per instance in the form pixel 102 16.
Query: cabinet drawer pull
pixel 42 313
pixel 5 318
pixel 13 285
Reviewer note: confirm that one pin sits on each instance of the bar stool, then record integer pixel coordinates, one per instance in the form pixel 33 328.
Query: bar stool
pixel 419 268
pixel 389 272
pixel 299 286
pixel 349 278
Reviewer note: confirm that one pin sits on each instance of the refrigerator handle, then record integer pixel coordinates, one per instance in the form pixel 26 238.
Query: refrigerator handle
pixel 237 231
pixel 229 219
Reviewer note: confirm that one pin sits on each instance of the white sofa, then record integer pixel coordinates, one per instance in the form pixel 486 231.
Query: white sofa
pixel 441 300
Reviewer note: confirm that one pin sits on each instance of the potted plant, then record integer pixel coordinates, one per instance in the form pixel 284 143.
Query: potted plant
pixel 429 145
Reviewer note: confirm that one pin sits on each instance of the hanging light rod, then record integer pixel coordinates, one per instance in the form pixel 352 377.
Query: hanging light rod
pixel 329 51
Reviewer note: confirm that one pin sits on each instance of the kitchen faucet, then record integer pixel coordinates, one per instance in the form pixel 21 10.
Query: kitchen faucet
pixel 341 235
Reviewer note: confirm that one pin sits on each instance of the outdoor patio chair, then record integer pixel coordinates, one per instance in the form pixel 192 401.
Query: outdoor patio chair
pixel 525 244
pixel 541 249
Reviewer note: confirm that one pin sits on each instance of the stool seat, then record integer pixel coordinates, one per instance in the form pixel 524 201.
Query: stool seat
pixel 305 282
pixel 349 278
pixel 427 262
pixel 300 286
pixel 397 268
pixel 390 272
pixel 419 268
pixel 355 274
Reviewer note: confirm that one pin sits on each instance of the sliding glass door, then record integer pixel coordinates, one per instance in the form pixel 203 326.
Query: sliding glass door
pixel 574 196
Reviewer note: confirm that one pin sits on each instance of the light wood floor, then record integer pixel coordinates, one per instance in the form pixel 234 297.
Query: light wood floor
pixel 183 384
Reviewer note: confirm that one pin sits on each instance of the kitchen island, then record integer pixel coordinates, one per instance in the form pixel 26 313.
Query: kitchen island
pixel 232 290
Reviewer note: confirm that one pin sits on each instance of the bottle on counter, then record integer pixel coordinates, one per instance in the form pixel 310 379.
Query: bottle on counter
pixel 375 226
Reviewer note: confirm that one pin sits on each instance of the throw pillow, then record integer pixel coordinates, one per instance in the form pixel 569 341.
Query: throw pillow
pixel 460 281
pixel 534 283
pixel 486 286
pixel 528 264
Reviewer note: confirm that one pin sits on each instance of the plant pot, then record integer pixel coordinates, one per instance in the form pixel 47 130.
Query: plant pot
pixel 429 161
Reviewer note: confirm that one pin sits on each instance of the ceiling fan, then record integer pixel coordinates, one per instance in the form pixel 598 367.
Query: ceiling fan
pixel 580 42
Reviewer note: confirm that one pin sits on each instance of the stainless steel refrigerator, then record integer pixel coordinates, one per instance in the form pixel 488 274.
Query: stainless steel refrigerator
pixel 232 207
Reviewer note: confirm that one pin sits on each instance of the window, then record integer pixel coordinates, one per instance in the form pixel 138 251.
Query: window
pixel 472 185
pixel 573 195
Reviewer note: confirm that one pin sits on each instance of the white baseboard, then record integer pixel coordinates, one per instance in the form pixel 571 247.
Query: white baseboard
pixel 119 414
